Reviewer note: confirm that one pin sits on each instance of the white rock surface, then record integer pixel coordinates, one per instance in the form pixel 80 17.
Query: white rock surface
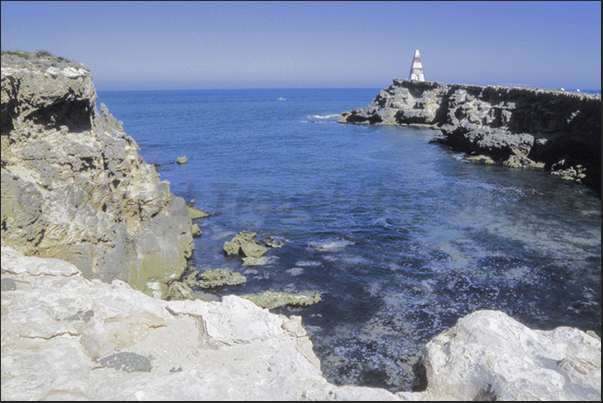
pixel 56 324
pixel 231 350
pixel 490 356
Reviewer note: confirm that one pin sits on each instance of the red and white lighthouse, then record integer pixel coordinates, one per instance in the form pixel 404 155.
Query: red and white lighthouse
pixel 416 70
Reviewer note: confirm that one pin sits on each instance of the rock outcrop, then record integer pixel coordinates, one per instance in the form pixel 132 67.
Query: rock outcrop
pixel 490 356
pixel 519 127
pixel 73 184
pixel 68 337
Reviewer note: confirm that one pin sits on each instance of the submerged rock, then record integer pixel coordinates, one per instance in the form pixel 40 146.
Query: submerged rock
pixel 330 244
pixel 220 278
pixel 271 299
pixel 195 213
pixel 255 261
pixel 244 244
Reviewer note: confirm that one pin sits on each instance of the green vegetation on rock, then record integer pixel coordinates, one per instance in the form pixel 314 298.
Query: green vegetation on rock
pixel 272 299
pixel 194 213
pixel 219 278
pixel 40 60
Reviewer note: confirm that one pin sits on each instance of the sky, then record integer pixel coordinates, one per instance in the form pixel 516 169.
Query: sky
pixel 237 45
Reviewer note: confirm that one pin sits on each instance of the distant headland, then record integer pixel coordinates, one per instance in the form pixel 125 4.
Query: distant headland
pixel 554 130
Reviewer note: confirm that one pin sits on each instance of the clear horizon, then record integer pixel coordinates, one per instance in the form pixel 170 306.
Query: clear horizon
pixel 289 45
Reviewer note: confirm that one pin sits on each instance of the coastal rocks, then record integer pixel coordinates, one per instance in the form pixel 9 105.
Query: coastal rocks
pixel 195 231
pixel 489 356
pixel 244 244
pixel 272 299
pixel 219 278
pixel 181 160
pixel 135 347
pixel 195 213
pixel 138 347
pixel 73 184
pixel 517 127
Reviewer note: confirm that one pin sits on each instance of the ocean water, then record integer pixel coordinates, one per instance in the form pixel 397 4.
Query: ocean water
pixel 401 236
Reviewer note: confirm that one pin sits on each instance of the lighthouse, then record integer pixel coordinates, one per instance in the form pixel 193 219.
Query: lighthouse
pixel 416 70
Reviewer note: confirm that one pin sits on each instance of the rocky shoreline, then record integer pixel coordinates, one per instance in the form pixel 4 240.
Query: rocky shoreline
pixel 74 186
pixel 518 127
pixel 68 337
pixel 93 243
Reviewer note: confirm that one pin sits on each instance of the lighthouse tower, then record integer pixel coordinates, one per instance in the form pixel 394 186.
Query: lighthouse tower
pixel 416 70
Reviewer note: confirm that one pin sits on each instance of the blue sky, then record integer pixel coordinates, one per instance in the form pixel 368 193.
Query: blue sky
pixel 215 45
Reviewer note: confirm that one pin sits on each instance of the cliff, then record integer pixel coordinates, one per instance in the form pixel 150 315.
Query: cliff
pixel 73 184
pixel 519 127
pixel 65 337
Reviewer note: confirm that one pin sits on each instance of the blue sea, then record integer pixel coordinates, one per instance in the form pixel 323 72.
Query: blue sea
pixel 400 236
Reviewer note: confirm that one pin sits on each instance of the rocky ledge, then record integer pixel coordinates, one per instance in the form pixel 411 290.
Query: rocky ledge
pixel 519 127
pixel 73 184
pixel 68 337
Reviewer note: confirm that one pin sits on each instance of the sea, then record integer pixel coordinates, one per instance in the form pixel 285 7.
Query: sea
pixel 400 235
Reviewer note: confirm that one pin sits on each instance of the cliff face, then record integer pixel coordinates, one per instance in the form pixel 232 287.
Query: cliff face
pixel 74 186
pixel 519 127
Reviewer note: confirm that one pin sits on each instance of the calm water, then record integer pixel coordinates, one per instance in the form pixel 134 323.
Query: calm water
pixel 423 237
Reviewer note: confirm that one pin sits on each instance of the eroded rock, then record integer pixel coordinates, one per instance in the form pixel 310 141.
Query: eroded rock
pixel 517 127
pixel 229 350
pixel 73 184
pixel 272 299
pixel 488 355
pixel 220 278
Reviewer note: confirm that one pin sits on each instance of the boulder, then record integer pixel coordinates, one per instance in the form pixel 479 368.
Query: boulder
pixel 490 356
pixel 195 231
pixel 244 244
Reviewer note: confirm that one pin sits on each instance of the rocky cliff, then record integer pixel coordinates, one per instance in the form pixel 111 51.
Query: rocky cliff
pixel 520 127
pixel 73 184
pixel 65 337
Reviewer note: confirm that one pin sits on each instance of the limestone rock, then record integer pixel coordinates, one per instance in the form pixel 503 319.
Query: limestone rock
pixel 271 299
pixel 220 278
pixel 195 213
pixel 178 291
pixel 255 261
pixel 181 160
pixel 490 356
pixel 195 231
pixel 244 244
pixel 518 127
pixel 73 184
pixel 135 347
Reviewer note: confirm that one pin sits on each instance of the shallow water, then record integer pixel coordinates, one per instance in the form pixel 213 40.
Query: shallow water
pixel 400 236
